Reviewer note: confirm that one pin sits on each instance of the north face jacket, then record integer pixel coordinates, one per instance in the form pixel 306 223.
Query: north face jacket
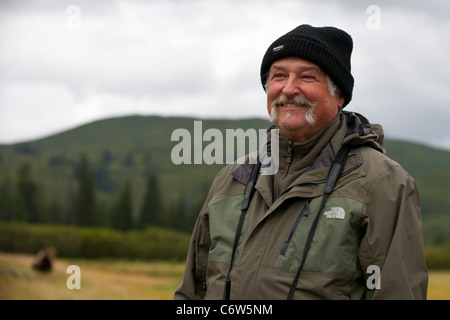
pixel 368 242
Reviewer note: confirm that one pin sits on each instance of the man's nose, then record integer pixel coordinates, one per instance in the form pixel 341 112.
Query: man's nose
pixel 292 86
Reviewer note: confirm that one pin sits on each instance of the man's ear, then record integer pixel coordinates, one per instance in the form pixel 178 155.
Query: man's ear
pixel 341 100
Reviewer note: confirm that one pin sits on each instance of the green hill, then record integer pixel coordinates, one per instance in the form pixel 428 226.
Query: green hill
pixel 127 150
pixel 430 167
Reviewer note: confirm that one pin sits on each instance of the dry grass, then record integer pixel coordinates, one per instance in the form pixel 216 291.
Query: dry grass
pixel 103 280
pixel 118 280
pixel 439 285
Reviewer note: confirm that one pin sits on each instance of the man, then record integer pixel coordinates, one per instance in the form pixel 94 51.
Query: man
pixel 338 220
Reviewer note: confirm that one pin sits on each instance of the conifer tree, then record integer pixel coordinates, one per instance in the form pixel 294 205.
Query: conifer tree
pixel 152 212
pixel 122 211
pixel 176 215
pixel 7 204
pixel 85 199
pixel 27 196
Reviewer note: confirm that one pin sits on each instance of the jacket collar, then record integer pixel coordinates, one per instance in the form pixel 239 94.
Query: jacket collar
pixel 355 129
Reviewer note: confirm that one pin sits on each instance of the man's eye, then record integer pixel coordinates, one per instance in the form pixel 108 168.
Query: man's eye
pixel 278 75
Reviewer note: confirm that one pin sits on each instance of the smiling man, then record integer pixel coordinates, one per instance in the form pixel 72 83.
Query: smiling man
pixel 296 94
pixel 339 220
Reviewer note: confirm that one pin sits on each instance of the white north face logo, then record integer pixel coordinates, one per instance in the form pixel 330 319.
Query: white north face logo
pixel 335 213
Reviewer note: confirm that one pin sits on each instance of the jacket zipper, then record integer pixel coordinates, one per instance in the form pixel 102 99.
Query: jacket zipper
pixel 289 152
pixel 305 212
pixel 288 162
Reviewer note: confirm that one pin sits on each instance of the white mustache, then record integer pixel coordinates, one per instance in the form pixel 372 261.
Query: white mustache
pixel 296 100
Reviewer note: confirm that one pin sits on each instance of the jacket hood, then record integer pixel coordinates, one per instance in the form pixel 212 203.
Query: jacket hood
pixel 361 132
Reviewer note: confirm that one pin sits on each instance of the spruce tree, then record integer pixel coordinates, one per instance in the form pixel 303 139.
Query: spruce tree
pixel 85 199
pixel 27 196
pixel 7 204
pixel 152 212
pixel 122 210
pixel 176 215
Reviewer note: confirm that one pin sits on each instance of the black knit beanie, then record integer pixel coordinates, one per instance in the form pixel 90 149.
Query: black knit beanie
pixel 328 47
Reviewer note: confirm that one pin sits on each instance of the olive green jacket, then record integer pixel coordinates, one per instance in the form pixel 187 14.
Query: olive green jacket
pixel 368 243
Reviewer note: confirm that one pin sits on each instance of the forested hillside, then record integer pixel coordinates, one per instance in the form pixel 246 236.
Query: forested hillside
pixel 115 172
pixel 120 173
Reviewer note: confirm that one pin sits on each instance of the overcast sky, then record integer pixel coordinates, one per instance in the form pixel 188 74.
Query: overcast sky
pixel 66 63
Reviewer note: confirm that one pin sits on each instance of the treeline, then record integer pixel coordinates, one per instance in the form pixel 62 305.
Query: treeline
pixel 24 199
pixel 94 242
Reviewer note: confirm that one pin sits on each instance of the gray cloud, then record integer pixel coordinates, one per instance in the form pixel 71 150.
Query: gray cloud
pixel 202 58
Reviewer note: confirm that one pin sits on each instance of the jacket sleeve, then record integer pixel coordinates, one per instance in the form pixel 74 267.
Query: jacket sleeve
pixel 393 241
pixel 193 286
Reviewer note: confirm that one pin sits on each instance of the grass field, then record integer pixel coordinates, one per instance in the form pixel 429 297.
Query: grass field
pixel 100 279
pixel 118 280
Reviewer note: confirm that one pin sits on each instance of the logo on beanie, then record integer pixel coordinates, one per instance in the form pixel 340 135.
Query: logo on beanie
pixel 276 49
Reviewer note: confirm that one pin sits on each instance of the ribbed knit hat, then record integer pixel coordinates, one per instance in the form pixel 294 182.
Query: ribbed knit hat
pixel 328 47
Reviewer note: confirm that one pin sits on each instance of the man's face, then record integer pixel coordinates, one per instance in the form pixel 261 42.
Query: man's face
pixel 298 99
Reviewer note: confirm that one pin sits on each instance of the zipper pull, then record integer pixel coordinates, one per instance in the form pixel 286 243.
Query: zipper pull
pixel 307 208
pixel 289 152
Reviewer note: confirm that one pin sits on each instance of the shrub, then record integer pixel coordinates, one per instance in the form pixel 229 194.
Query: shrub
pixel 437 257
pixel 89 242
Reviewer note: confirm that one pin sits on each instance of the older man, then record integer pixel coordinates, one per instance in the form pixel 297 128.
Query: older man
pixel 338 220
